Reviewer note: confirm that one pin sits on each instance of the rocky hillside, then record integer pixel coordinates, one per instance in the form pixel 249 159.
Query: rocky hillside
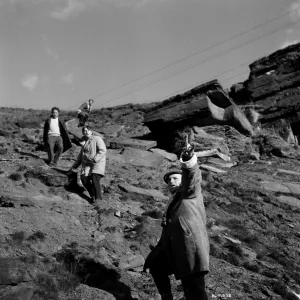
pixel 55 245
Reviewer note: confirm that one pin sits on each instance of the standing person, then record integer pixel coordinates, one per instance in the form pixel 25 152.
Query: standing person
pixel 84 111
pixel 183 249
pixel 56 138
pixel 92 159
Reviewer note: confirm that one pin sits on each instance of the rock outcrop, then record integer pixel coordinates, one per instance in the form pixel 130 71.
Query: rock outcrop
pixel 274 88
pixel 204 105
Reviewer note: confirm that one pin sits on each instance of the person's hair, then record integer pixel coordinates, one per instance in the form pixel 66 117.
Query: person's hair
pixel 86 127
pixel 91 100
pixel 55 108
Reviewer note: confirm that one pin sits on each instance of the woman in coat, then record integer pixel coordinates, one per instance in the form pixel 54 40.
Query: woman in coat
pixel 92 159
pixel 183 248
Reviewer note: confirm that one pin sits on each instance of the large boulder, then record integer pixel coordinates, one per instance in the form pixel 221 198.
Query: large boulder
pixel 204 105
pixel 273 86
pixel 121 142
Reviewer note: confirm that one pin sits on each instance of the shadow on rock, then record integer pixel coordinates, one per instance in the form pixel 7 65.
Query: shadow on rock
pixel 95 270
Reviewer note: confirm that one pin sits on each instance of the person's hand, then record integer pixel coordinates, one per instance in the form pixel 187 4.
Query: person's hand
pixel 188 150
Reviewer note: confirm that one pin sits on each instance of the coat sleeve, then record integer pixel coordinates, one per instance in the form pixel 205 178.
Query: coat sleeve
pixel 100 150
pixel 45 134
pixel 191 178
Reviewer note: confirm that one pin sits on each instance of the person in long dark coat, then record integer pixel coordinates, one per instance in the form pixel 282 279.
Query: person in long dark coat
pixel 183 249
pixel 56 138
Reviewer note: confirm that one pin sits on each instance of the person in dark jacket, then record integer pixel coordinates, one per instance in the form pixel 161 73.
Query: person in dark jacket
pixel 56 138
pixel 84 111
pixel 183 249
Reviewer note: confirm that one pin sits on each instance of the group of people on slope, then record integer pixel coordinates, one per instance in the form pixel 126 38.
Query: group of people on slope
pixel 92 157
pixel 183 248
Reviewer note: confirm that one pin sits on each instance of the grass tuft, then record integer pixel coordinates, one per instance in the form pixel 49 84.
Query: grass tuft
pixel 15 176
pixel 37 236
pixel 18 236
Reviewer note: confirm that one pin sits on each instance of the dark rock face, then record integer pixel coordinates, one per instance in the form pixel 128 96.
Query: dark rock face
pixel 274 87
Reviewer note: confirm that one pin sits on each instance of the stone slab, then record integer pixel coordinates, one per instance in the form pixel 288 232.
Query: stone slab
pixel 111 130
pixel 234 241
pixel 293 187
pixel 213 169
pixel 221 163
pixel 113 154
pixel 143 158
pixel 289 172
pixel 289 200
pixel 133 189
pixel 165 154
pixel 122 142
pixel 131 261
pixel 284 187
pixel 275 187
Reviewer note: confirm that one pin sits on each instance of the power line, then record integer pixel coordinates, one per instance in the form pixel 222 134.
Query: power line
pixel 200 63
pixel 193 54
pixel 208 79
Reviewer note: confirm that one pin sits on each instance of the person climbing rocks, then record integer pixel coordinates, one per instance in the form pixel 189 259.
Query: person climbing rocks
pixel 84 111
pixel 92 159
pixel 183 249
pixel 55 137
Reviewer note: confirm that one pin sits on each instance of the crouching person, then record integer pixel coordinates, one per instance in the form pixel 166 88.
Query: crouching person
pixel 84 111
pixel 183 249
pixel 92 159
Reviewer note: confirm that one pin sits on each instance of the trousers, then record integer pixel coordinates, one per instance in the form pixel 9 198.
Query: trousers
pixel 92 185
pixel 55 149
pixel 193 285
pixel 83 118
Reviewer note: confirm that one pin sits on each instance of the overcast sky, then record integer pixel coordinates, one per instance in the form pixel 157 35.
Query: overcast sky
pixel 63 52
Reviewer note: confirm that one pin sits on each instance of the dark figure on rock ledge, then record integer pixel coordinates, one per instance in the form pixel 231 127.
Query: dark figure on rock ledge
pixel 56 138
pixel 92 159
pixel 84 111
pixel 183 249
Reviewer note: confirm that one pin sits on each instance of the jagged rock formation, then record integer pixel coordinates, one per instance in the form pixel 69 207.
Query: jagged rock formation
pixel 274 89
pixel 204 105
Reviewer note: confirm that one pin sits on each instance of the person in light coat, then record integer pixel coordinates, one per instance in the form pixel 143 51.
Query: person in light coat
pixel 183 249
pixel 92 159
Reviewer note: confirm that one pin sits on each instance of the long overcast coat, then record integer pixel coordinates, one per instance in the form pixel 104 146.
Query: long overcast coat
pixel 184 239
